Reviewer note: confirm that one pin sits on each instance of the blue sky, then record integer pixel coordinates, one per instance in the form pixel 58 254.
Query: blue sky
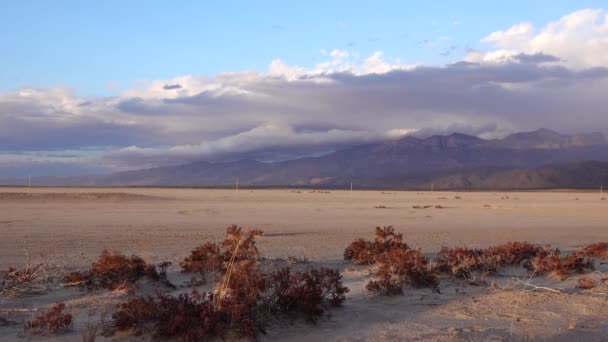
pixel 102 47
pixel 107 86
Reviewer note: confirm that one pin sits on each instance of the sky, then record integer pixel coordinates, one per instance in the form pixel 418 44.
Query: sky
pixel 95 87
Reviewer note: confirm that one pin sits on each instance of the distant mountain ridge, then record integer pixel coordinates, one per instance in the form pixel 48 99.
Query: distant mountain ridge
pixel 408 162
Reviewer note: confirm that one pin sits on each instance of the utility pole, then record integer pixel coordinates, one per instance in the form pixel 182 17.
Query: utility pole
pixel 351 186
pixel 236 187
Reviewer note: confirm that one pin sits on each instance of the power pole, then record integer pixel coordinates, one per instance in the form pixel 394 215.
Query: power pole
pixel 236 187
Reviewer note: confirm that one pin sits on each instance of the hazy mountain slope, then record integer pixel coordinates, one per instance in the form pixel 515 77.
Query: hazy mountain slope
pixel 406 162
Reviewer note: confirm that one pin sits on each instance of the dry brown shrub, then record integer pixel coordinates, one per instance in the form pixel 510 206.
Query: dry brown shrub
pixel 213 258
pixel 114 270
pixel 305 292
pixel 596 250
pixel 399 267
pixel 511 253
pixel 562 267
pixel 52 321
pixel 364 252
pixel 586 283
pixel 462 262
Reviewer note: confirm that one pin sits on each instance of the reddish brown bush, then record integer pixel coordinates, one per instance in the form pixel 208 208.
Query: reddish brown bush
pixel 305 292
pixel 553 262
pixel 596 250
pixel 360 251
pixel 586 283
pixel 52 321
pixel 461 262
pixel 399 267
pixel 114 271
pixel 212 258
pixel 193 317
pixel 511 253
pixel 365 252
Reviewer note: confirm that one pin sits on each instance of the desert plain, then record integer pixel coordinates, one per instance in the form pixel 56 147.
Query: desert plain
pixel 69 227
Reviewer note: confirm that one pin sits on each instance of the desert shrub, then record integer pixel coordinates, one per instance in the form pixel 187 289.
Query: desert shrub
pixel 360 251
pixel 586 283
pixel 399 267
pixel 596 250
pixel 461 262
pixel 305 292
pixel 206 258
pixel 511 253
pixel 213 258
pixel 243 281
pixel 189 317
pixel 114 270
pixel 52 321
pixel 553 262
pixel 364 252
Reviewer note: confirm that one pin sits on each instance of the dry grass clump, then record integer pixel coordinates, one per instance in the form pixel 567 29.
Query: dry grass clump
pixel 114 271
pixel 243 298
pixel 364 252
pixel 596 250
pixel 399 267
pixel 29 280
pixel 52 321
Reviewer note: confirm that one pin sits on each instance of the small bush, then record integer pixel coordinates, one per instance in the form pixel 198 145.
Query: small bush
pixel 213 258
pixel 461 262
pixel 113 271
pixel 190 317
pixel 586 283
pixel 399 267
pixel 305 292
pixel 596 250
pixel 364 252
pixel 52 321
pixel 553 262
pixel 511 253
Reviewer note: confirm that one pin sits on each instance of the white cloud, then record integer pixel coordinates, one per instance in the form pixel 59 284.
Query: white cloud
pixel 580 39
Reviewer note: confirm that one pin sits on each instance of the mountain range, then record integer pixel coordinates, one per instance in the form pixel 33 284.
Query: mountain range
pixel 537 159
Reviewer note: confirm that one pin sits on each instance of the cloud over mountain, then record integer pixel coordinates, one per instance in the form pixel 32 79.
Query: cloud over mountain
pixel 553 77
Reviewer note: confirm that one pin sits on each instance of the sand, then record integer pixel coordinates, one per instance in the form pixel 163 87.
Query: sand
pixel 69 227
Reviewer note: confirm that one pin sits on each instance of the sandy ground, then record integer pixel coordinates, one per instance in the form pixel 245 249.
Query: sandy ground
pixel 68 227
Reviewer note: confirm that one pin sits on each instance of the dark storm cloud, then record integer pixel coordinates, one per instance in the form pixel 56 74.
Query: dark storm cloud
pixel 172 86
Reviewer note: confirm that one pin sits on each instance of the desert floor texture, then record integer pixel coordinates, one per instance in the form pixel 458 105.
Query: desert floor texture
pixel 69 227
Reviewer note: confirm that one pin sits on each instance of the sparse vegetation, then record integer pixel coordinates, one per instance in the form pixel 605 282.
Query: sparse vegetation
pixel 29 280
pixel 241 300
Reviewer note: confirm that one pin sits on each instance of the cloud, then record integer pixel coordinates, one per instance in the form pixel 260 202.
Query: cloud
pixel 172 86
pixel 579 39
pixel 289 111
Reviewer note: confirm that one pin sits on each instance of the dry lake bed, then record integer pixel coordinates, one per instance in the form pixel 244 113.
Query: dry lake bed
pixel 69 227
